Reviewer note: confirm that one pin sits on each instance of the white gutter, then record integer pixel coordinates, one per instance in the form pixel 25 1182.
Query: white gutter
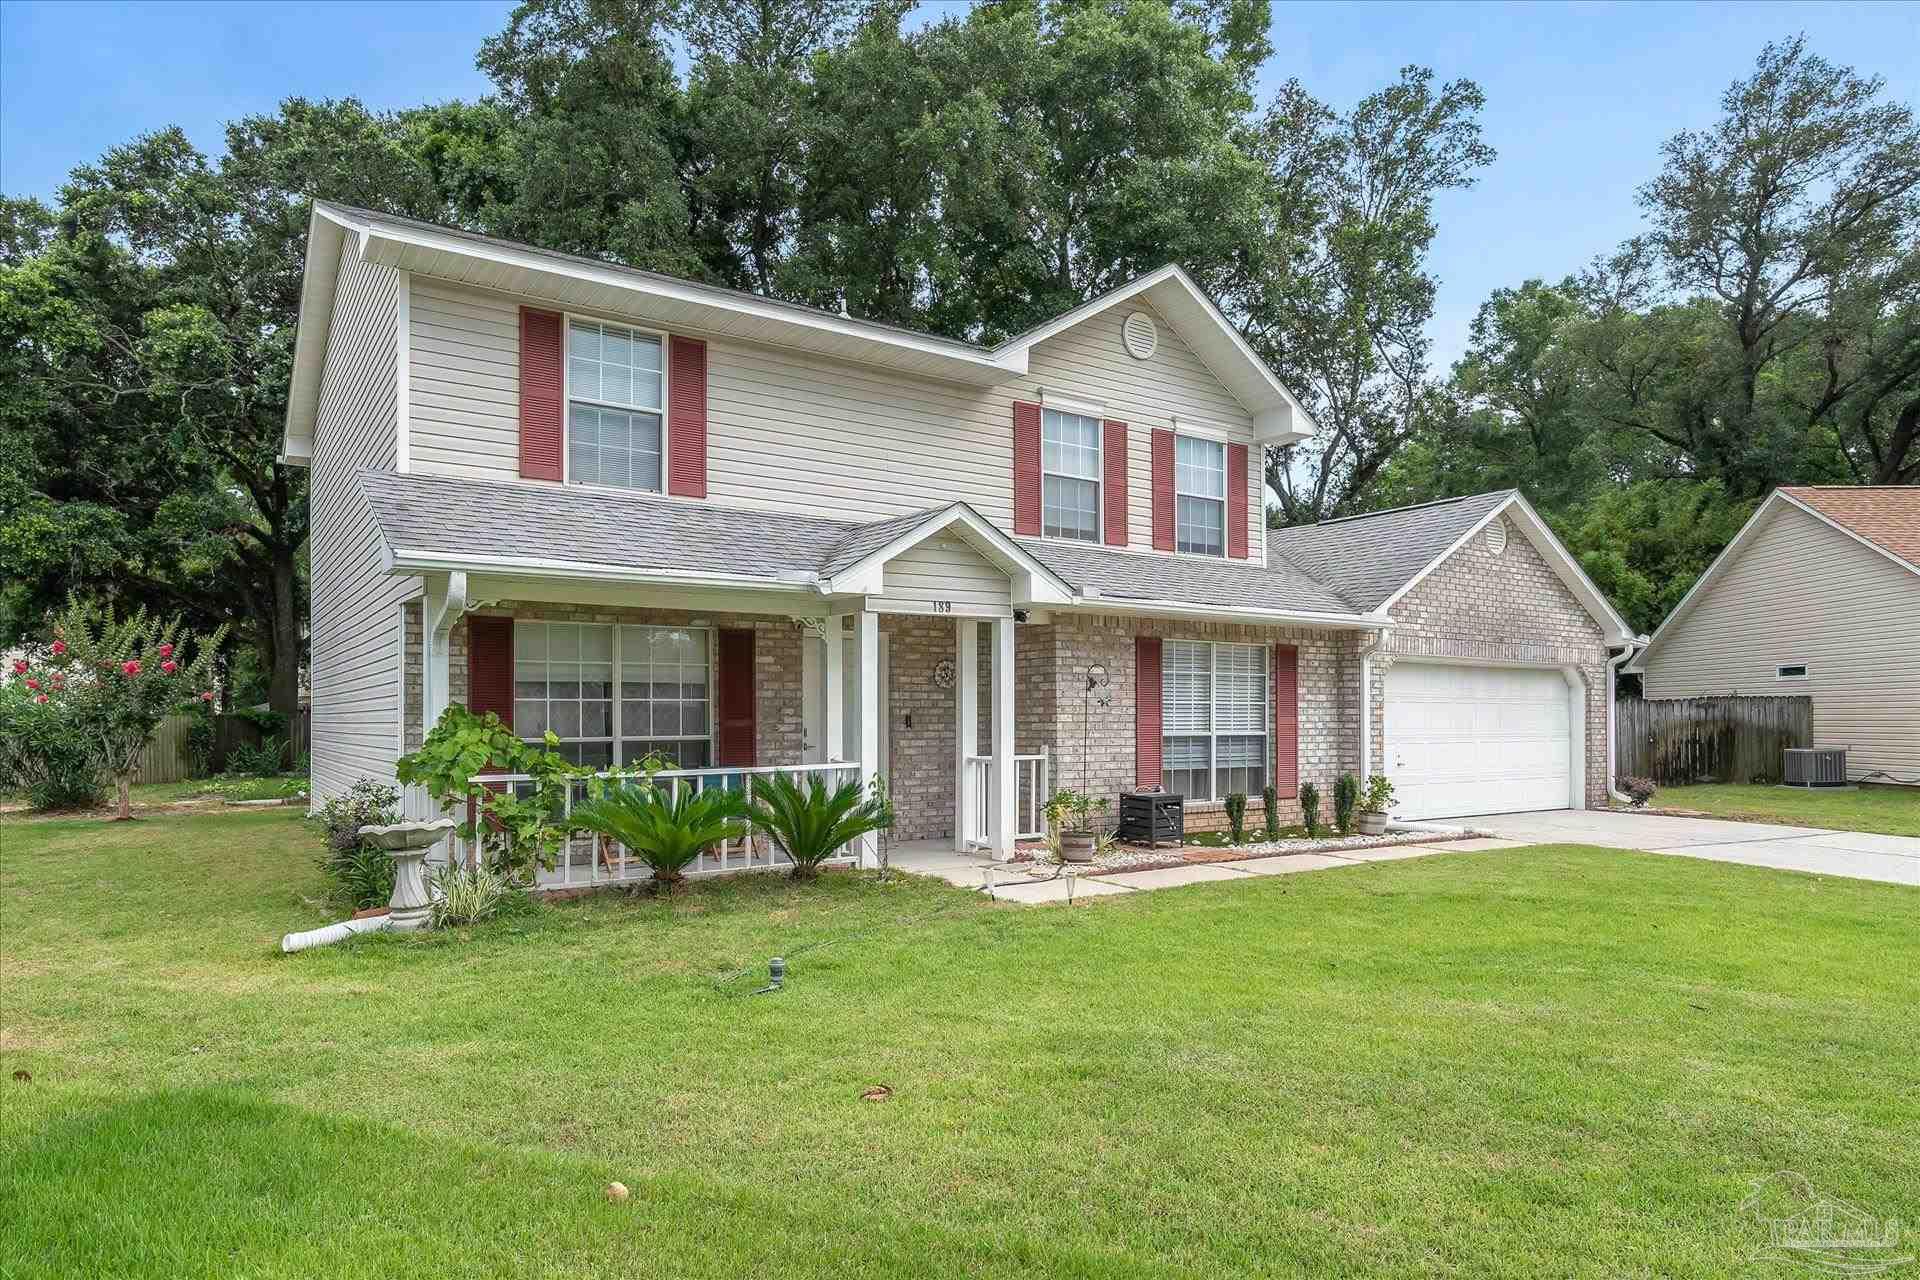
pixel 1613 755
pixel 1096 603
pixel 410 561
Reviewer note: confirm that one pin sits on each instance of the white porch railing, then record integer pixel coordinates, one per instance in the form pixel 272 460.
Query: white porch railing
pixel 1030 803
pixel 589 860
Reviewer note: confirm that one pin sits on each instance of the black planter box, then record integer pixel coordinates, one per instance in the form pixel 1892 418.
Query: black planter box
pixel 1152 818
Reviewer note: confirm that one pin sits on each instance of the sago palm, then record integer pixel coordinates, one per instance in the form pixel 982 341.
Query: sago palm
pixel 811 822
pixel 666 826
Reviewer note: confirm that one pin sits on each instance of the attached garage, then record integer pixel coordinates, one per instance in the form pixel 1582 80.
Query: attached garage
pixel 1464 740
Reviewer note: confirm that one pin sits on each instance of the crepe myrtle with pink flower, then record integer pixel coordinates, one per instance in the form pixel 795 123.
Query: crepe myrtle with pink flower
pixel 111 681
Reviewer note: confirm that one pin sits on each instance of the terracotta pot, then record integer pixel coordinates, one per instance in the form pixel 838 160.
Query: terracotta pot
pixel 1372 824
pixel 1078 846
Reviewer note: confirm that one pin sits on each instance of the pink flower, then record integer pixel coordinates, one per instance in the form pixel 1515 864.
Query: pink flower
pixel 41 698
pixel 32 683
pixel 130 667
pixel 19 666
pixel 166 651
pixel 59 647
pixel 207 696
pixel 59 682
pixel 169 666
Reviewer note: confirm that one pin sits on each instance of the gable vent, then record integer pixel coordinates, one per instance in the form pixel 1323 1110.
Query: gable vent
pixel 1497 537
pixel 1140 335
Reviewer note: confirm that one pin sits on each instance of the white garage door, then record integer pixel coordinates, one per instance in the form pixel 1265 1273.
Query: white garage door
pixel 1466 740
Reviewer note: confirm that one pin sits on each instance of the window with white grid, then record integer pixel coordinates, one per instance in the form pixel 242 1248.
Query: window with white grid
pixel 1200 496
pixel 1213 719
pixel 1070 467
pixel 666 695
pixel 614 401
pixel 615 694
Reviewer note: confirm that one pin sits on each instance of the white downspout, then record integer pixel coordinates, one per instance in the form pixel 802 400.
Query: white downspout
pixel 1613 670
pixel 1366 652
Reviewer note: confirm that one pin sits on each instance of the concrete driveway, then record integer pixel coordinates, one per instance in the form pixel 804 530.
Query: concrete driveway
pixel 1894 859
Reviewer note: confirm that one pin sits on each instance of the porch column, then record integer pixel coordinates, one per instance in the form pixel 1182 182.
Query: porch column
pixel 1006 778
pixel 833 719
pixel 867 631
pixel 966 719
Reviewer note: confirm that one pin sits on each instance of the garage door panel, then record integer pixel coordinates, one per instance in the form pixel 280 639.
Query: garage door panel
pixel 1465 740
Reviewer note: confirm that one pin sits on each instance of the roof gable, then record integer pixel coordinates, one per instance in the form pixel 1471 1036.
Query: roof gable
pixel 1783 503
pixel 574 280
pixel 1885 516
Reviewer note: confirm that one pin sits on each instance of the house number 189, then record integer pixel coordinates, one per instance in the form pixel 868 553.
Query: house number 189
pixel 943 606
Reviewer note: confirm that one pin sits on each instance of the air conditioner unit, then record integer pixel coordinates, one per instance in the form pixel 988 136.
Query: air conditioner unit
pixel 1816 767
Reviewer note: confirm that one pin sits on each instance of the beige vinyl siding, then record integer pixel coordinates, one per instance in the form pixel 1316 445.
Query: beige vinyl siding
pixel 789 430
pixel 944 568
pixel 1803 591
pixel 355 612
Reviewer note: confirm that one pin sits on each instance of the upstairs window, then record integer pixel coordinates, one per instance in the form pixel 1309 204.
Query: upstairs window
pixel 1213 715
pixel 1070 465
pixel 1200 496
pixel 615 394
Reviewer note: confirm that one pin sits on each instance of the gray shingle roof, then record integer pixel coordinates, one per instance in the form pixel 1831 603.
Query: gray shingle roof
pixel 1242 584
pixel 450 516
pixel 1366 558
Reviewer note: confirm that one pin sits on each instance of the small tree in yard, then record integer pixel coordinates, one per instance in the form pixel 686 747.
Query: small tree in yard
pixel 112 680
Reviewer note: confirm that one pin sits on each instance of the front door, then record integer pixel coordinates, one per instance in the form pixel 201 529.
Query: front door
pixel 813 683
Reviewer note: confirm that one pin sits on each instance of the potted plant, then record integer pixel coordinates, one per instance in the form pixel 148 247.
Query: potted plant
pixel 1373 808
pixel 1070 814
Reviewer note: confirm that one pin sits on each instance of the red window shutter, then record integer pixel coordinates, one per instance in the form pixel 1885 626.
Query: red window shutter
pixel 1286 720
pixel 1237 501
pixel 1163 491
pixel 1146 711
pixel 734 701
pixel 542 415
pixel 1113 467
pixel 687 417
pixel 490 667
pixel 1026 469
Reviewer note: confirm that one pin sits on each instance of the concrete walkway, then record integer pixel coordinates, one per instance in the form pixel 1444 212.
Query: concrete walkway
pixel 1014 885
pixel 1855 854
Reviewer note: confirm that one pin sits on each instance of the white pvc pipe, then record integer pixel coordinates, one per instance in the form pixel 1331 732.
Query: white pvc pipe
pixel 327 935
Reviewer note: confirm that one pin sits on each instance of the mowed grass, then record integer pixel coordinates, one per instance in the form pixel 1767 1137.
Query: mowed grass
pixel 1889 810
pixel 1555 1061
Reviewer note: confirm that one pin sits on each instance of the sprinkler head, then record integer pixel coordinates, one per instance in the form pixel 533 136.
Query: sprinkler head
pixel 776 972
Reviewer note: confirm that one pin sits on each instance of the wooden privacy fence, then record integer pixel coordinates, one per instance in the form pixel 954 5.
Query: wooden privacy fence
pixel 167 759
pixel 1680 740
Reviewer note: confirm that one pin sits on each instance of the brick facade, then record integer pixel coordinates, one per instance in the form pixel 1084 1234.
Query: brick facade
pixel 1505 607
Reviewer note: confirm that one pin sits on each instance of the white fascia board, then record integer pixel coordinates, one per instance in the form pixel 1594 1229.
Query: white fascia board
pixel 1835 525
pixel 390 244
pixel 1220 613
pixel 327 236
pixel 402 560
pixel 1558 558
pixel 1032 581
pixel 1762 512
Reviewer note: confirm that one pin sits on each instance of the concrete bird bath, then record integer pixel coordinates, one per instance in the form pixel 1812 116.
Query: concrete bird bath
pixel 410 907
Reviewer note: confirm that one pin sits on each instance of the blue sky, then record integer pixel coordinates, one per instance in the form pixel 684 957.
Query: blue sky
pixel 1580 96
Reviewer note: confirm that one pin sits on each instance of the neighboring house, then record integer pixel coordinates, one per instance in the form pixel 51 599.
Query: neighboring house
pixel 1818 594
pixel 658 516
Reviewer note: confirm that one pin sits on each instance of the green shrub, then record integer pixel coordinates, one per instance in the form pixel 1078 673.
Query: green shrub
pixel 467 895
pixel 1237 816
pixel 1346 794
pixel 1310 807
pixel 1271 799
pixel 262 760
pixel 666 827
pixel 361 875
pixel 200 742
pixel 813 823
pixel 43 755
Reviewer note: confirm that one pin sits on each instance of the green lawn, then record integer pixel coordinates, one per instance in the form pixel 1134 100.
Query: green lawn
pixel 1556 1061
pixel 1893 811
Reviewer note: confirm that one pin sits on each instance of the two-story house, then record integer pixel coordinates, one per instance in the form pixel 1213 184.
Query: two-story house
pixel 652 515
